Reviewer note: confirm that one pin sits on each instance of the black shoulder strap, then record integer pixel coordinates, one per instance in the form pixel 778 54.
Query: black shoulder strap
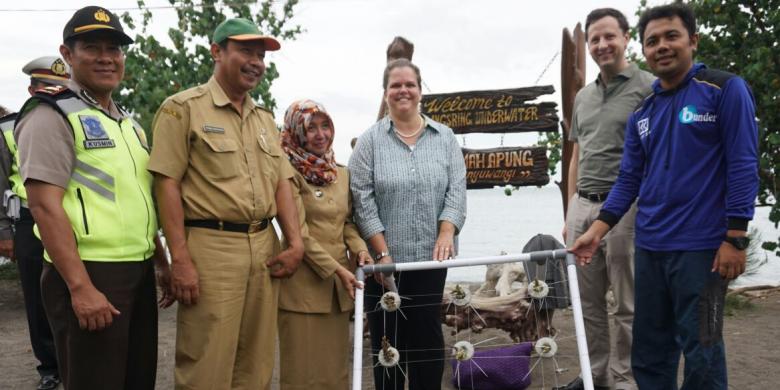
pixel 8 119
pixel 48 96
pixel 45 96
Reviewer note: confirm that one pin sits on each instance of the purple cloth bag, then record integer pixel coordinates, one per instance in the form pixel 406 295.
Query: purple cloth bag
pixel 506 368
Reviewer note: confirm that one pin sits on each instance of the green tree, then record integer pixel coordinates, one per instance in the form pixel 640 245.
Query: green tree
pixel 741 36
pixel 155 70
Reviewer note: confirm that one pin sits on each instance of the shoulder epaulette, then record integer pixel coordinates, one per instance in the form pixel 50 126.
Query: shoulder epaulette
pixel 714 77
pixel 188 94
pixel 52 90
pixel 262 107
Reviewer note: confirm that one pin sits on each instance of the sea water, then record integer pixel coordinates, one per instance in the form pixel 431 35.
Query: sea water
pixel 499 223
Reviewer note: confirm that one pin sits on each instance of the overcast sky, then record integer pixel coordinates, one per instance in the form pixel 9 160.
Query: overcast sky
pixel 338 61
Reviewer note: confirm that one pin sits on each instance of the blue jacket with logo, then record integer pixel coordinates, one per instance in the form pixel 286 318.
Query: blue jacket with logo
pixel 691 159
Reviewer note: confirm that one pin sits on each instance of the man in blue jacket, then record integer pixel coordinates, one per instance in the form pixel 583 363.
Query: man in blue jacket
pixel 691 161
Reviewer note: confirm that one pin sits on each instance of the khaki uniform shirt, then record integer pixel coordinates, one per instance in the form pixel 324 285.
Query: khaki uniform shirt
pixel 45 143
pixel 228 163
pixel 328 232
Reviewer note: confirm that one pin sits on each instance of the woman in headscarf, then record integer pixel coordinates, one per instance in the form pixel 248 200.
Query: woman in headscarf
pixel 315 303
pixel 409 186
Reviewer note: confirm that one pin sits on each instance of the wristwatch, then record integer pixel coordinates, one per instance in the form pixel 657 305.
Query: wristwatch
pixel 380 255
pixel 740 243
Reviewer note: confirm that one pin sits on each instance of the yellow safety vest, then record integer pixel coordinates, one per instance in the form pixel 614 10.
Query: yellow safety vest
pixel 14 178
pixel 108 199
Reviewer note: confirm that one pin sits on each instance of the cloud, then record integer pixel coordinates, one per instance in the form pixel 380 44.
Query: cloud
pixel 459 46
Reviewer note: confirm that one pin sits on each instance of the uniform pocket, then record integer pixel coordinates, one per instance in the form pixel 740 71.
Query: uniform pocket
pixel 270 149
pixel 220 157
pixel 270 158
pixel 85 222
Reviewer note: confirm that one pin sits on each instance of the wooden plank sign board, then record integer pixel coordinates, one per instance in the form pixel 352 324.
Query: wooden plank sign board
pixel 517 166
pixel 496 111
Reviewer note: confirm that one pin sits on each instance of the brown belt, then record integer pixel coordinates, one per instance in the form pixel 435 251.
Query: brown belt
pixel 253 227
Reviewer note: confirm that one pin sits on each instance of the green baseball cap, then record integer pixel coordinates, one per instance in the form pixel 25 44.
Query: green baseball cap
pixel 241 29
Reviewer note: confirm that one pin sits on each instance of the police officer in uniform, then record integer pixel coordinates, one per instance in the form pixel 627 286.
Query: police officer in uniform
pixel 83 162
pixel 25 248
pixel 220 176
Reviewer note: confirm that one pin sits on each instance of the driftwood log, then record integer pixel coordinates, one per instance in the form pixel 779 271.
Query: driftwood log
pixel 515 313
pixel 501 302
pixel 499 279
pixel 752 292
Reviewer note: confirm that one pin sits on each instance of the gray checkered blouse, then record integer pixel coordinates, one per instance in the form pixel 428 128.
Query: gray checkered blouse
pixel 405 191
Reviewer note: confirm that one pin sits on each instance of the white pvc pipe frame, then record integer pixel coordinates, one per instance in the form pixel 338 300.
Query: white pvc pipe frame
pixel 574 289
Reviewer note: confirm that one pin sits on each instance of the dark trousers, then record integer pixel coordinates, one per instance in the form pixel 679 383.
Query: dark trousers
pixel 121 356
pixel 679 308
pixel 416 332
pixel 28 251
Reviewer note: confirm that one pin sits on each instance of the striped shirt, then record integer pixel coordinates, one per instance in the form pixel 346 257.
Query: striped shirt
pixel 405 192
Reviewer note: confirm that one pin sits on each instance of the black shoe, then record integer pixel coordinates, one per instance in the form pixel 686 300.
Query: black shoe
pixel 48 382
pixel 577 384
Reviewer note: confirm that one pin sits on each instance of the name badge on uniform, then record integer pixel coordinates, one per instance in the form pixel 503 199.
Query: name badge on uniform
pixel 213 129
pixel 96 135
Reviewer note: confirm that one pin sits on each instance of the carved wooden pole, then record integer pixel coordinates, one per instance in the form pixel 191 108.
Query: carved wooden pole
pixel 572 80
pixel 400 47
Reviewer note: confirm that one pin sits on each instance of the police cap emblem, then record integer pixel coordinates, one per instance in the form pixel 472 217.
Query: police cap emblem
pixel 58 67
pixel 102 16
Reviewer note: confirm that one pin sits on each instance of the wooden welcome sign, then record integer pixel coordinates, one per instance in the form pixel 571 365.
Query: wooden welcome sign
pixel 517 166
pixel 496 111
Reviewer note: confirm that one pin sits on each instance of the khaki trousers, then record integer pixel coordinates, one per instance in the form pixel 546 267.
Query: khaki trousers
pixel 227 339
pixel 314 350
pixel 612 265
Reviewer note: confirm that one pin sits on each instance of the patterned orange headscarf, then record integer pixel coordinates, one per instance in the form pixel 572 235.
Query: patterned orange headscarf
pixel 315 169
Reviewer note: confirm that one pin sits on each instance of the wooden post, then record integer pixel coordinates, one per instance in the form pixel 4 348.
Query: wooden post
pixel 572 80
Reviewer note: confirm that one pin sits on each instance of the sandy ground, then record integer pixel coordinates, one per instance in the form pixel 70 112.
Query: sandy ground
pixel 752 339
